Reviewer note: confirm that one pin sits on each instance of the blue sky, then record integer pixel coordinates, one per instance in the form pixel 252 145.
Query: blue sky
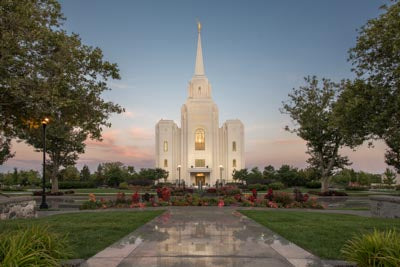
pixel 255 52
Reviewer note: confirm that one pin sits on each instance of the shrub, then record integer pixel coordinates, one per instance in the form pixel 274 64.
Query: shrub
pixel 357 188
pixel 258 187
pixel 379 248
pixel 32 246
pixel 398 187
pixel 283 198
pixel 313 184
pixel 211 190
pixel 75 184
pixel 330 193
pixel 276 186
pixel 123 185
pixel 141 181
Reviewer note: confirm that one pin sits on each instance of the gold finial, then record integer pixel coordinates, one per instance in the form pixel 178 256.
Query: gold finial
pixel 198 26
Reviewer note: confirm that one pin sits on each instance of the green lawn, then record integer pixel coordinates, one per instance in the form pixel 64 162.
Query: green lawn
pixel 322 234
pixel 89 232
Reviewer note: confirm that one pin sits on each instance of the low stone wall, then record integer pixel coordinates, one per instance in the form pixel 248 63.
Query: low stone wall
pixel 13 208
pixel 385 206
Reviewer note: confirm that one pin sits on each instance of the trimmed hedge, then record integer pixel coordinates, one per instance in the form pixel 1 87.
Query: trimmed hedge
pixel 313 184
pixel 276 186
pixel 75 184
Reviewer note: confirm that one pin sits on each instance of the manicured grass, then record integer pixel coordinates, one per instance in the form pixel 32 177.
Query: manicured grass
pixel 89 232
pixel 322 234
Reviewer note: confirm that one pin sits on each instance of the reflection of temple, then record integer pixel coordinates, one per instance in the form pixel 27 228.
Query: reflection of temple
pixel 201 151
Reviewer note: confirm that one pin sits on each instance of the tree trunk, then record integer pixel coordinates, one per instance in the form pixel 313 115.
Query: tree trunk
pixel 54 179
pixel 324 184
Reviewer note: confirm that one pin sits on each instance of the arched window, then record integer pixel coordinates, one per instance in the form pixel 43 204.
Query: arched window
pixel 234 146
pixel 200 143
pixel 165 163
pixel 165 146
pixel 234 163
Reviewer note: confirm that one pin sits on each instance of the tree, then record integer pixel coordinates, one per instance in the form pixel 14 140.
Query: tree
pixel 85 173
pixel 69 173
pixel 26 26
pixel 240 175
pixel 370 108
pixel 255 177
pixel 289 176
pixel 114 173
pixel 160 173
pixel 64 81
pixel 311 107
pixel 390 177
pixel 269 173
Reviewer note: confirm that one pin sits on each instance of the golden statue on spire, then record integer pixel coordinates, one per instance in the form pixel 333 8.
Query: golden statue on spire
pixel 198 26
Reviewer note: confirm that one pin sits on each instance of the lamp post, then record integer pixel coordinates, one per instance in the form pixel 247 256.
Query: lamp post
pixel 44 205
pixel 179 177
pixel 220 172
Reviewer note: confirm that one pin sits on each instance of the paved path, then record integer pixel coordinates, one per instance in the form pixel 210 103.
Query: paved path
pixel 203 236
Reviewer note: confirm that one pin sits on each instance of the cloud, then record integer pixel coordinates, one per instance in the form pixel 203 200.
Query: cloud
pixel 141 133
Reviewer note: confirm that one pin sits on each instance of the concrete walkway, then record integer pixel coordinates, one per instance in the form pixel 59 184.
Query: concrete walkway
pixel 203 236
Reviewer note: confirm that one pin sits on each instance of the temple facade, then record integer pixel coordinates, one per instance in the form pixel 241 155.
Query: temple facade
pixel 200 151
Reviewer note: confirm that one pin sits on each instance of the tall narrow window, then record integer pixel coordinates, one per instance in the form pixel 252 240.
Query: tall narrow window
pixel 199 143
pixel 165 163
pixel 165 146
pixel 234 163
pixel 234 146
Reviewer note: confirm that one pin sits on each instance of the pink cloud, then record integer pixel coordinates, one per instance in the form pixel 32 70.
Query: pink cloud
pixel 141 134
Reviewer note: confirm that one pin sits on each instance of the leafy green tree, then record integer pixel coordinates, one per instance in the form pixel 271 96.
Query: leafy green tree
pixel 85 173
pixel 31 177
pixel 390 177
pixel 311 109
pixel 289 176
pixel 369 108
pixel 26 28
pixel 255 176
pixel 114 173
pixel 240 175
pixel 269 173
pixel 46 72
pixel 160 174
pixel 69 173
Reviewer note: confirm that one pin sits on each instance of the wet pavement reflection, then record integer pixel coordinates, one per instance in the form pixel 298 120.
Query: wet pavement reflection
pixel 203 236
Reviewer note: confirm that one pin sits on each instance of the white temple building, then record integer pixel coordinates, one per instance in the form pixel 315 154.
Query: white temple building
pixel 200 151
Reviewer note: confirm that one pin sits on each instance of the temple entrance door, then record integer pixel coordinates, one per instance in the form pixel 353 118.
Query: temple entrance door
pixel 200 177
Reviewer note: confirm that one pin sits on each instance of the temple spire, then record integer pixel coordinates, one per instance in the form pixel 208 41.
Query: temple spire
pixel 199 67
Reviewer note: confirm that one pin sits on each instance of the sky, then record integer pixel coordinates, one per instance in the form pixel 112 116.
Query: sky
pixel 255 52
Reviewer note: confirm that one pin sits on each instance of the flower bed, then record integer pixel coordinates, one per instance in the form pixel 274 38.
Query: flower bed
pixel 223 197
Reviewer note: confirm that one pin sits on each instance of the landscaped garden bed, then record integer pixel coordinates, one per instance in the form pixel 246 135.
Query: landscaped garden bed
pixel 223 196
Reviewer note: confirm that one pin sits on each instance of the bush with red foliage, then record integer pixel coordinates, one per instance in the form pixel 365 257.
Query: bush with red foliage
pixel 254 191
pixel 269 195
pixel 238 197
pixel 212 190
pixel 135 197
pixel 165 194
pixel 251 198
